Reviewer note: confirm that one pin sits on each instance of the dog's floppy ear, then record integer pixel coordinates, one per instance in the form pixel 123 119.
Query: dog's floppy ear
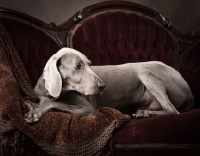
pixel 53 81
pixel 52 77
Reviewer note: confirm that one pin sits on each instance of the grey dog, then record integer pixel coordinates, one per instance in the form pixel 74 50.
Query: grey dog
pixel 71 85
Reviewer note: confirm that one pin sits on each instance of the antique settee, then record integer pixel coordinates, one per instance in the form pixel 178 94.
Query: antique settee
pixel 119 32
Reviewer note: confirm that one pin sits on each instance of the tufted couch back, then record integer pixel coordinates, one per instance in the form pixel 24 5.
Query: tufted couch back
pixel 190 70
pixel 33 45
pixel 117 36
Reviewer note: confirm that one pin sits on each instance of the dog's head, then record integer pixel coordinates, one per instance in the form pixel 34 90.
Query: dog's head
pixel 69 69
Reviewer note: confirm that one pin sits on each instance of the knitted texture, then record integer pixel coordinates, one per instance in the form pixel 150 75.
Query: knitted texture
pixel 57 133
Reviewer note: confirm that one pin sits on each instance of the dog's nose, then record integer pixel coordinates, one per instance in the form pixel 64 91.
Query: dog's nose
pixel 101 86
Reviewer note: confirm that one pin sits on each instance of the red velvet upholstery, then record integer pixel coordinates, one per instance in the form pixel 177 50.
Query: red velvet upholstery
pixel 33 45
pixel 118 37
pixel 190 70
pixel 173 129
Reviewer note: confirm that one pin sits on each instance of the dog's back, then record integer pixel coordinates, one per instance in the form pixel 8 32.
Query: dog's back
pixel 124 89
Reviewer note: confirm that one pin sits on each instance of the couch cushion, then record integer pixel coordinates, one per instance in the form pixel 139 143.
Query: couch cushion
pixel 116 37
pixel 33 45
pixel 175 129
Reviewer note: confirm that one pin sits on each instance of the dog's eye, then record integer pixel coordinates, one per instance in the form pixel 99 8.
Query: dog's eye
pixel 78 66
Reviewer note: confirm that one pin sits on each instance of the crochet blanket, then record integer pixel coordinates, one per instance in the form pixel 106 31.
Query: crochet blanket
pixel 57 133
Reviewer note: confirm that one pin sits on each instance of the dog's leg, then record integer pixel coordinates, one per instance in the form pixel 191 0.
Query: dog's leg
pixel 36 113
pixel 156 88
pixel 31 105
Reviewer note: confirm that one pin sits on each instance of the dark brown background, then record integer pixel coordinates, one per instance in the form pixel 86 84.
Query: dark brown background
pixel 184 14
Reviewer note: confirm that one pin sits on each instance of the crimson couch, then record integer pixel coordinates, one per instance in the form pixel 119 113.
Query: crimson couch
pixel 119 32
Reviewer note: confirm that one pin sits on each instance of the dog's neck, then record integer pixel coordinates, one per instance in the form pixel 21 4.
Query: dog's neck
pixel 66 87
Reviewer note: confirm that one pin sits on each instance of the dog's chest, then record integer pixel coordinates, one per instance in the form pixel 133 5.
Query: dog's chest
pixel 120 97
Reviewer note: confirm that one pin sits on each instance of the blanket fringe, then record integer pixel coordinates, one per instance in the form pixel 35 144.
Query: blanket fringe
pixel 11 144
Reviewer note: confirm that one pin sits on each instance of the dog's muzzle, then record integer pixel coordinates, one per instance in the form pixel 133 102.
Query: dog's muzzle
pixel 101 86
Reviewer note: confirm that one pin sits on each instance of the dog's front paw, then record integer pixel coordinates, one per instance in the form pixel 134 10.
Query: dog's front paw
pixel 142 114
pixel 33 115
pixel 35 111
